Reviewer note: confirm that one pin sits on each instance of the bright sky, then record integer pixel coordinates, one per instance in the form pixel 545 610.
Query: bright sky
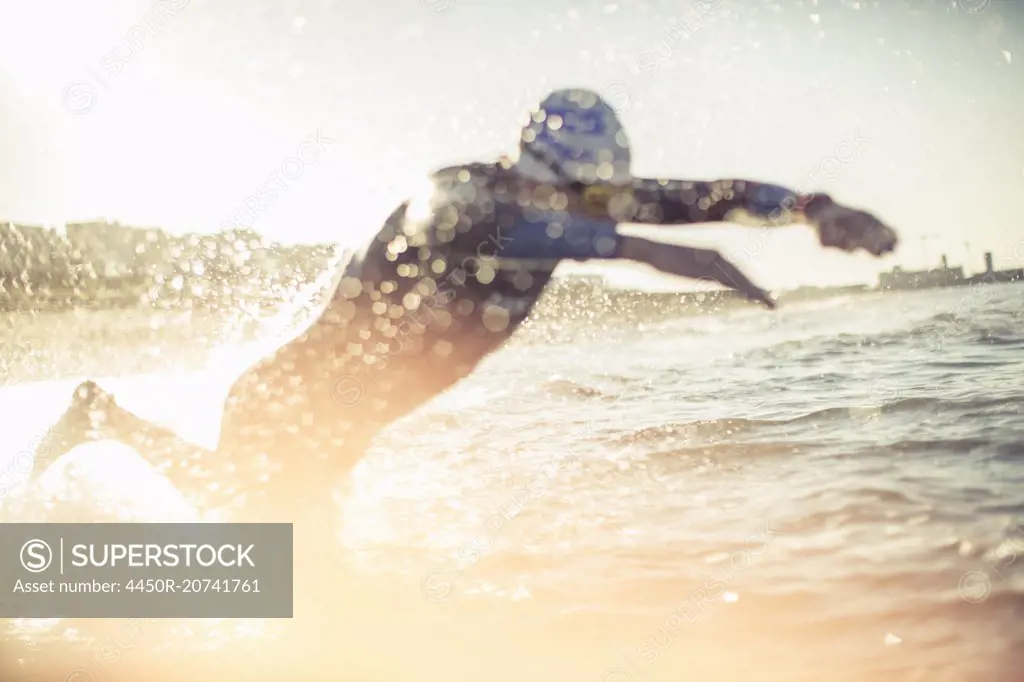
pixel 910 108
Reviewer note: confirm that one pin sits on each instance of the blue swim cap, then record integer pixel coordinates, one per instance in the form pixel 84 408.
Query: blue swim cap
pixel 574 135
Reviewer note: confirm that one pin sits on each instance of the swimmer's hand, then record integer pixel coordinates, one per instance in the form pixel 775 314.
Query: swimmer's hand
pixel 849 229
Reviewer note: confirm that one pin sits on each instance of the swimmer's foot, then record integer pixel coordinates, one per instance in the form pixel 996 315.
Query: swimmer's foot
pixel 86 419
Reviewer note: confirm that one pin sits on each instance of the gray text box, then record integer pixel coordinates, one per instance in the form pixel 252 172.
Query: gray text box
pixel 146 570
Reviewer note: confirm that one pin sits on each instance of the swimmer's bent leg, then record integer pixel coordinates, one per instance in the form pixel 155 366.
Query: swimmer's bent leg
pixel 95 415
pixel 185 464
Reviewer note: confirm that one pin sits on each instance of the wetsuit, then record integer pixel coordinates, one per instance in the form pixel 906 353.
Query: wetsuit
pixel 447 280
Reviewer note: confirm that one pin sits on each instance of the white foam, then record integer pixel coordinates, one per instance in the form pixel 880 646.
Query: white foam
pixel 100 481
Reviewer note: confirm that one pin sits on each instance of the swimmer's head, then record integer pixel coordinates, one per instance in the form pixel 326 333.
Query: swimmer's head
pixel 574 135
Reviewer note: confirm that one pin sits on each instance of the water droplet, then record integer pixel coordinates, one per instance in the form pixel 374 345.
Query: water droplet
pixel 495 318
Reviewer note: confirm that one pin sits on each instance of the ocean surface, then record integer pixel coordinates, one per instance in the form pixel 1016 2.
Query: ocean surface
pixel 834 490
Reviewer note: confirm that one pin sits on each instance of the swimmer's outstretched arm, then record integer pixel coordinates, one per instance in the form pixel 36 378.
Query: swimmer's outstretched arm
pixel 685 261
pixel 676 202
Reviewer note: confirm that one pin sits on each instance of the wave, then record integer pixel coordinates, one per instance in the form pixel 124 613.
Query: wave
pixel 909 447
pixel 691 430
pixel 929 405
pixel 993 338
pixel 897 406
pixel 735 451
pixel 929 334
pixel 1010 452
pixel 565 387
pixel 704 430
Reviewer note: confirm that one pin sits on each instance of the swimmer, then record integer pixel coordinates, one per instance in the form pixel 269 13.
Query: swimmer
pixel 452 274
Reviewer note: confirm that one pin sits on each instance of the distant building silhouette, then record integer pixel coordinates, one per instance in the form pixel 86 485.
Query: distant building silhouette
pixel 944 276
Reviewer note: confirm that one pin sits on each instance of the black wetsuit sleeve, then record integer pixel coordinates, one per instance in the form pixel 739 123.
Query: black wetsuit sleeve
pixel 675 202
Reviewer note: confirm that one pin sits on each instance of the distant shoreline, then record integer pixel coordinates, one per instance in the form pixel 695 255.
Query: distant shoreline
pixel 141 292
pixel 107 266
